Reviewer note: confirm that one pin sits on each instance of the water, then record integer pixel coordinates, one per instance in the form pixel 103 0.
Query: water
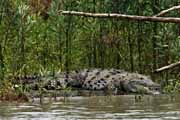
pixel 159 107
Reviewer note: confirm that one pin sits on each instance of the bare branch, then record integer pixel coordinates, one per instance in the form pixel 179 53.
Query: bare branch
pixel 167 67
pixel 162 13
pixel 123 16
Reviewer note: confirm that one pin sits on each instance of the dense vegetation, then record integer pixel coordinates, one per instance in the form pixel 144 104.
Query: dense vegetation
pixel 30 44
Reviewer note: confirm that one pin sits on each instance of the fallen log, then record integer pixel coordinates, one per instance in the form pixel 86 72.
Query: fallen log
pixel 122 16
pixel 162 13
pixel 167 67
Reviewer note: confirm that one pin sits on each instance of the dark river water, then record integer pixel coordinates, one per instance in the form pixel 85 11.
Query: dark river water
pixel 126 107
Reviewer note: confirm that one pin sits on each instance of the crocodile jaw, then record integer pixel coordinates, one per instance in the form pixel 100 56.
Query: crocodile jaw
pixel 140 86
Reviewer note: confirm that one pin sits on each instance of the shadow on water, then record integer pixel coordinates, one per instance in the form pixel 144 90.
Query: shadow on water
pixel 97 108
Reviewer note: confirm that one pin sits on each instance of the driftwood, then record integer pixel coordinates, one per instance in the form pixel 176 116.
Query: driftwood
pixel 155 18
pixel 123 16
pixel 162 13
pixel 167 67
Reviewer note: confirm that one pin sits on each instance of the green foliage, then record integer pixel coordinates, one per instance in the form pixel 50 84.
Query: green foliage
pixel 173 86
pixel 9 93
pixel 29 43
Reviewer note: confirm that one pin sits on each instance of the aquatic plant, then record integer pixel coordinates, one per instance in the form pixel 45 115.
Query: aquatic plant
pixel 9 93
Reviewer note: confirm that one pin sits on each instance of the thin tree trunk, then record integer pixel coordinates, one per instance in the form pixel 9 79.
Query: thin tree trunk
pixel 154 39
pixel 59 36
pixel 139 40
pixel 131 51
pixel 22 43
pixel 68 40
pixel 59 44
pixel 67 46
pixel 2 66
pixel 45 48
pixel 89 51
pixel 115 6
pixel 100 46
pixel 178 25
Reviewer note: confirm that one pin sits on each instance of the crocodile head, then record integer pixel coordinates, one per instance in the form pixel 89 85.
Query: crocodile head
pixel 140 84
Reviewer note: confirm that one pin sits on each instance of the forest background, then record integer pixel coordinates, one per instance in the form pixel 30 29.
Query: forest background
pixel 31 43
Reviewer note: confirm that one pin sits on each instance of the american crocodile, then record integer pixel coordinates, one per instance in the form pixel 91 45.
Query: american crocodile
pixel 94 80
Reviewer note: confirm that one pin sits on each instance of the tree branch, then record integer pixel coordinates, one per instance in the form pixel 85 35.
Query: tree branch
pixel 162 13
pixel 167 67
pixel 123 16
